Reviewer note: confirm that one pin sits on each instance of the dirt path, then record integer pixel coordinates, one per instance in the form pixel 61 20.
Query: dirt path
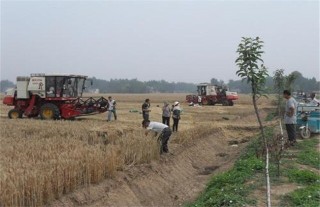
pixel 174 180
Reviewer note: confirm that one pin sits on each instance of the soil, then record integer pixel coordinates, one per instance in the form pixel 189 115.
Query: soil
pixel 175 179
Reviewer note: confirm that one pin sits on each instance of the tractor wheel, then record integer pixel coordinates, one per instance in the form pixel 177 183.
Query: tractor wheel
pixel 15 114
pixel 305 133
pixel 230 103
pixel 49 111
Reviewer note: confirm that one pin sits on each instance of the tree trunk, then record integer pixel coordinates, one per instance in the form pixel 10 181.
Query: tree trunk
pixel 268 194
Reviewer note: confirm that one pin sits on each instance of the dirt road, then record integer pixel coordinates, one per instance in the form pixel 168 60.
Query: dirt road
pixel 174 180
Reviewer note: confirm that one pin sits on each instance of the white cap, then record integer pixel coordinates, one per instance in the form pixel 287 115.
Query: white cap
pixel 176 103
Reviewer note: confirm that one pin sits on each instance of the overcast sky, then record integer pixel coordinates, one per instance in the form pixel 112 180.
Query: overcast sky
pixel 189 41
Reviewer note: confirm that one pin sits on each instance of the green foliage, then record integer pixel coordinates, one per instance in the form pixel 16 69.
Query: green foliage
pixel 270 116
pixel 289 81
pixel 300 84
pixel 136 86
pixel 278 80
pixel 310 195
pixel 307 197
pixel 215 81
pixel 302 176
pixel 233 189
pixel 229 189
pixel 6 84
pixel 309 155
pixel 250 64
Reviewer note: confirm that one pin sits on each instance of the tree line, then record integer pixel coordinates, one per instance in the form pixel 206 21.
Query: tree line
pixel 155 86
pixel 298 83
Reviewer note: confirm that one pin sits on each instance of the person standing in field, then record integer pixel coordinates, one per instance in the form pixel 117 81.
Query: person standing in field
pixel 199 100
pixel 145 109
pixel 176 110
pixel 111 108
pixel 166 113
pixel 290 118
pixel 164 130
pixel 314 101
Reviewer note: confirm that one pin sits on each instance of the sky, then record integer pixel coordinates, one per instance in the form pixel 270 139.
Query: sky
pixel 177 41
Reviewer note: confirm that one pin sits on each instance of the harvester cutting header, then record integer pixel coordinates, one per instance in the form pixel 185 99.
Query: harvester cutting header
pixel 52 97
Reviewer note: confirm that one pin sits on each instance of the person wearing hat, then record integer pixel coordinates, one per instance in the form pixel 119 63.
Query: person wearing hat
pixel 145 109
pixel 166 113
pixel 111 108
pixel 176 110
pixel 164 130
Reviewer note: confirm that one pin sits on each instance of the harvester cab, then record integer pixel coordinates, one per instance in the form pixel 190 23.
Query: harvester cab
pixel 52 97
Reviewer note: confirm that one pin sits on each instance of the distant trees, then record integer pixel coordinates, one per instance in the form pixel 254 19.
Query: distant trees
pixel 294 82
pixel 135 86
pixel 216 81
pixel 6 84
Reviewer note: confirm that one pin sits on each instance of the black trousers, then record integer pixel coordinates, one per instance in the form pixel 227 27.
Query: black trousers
pixel 164 138
pixel 291 131
pixel 175 124
pixel 145 116
pixel 166 120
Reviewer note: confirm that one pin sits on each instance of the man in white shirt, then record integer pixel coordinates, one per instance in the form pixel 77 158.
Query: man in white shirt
pixel 290 118
pixel 314 101
pixel 111 108
pixel 164 130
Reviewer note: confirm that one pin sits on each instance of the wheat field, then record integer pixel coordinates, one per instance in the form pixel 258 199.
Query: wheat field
pixel 42 160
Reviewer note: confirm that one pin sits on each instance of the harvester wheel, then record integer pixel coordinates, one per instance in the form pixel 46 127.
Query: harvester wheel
pixel 230 103
pixel 15 114
pixel 49 111
pixel 225 103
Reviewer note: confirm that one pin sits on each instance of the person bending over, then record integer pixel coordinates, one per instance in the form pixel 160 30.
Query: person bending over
pixel 159 128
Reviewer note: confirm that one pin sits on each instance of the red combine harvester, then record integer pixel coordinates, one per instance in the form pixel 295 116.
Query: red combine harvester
pixel 52 97
pixel 212 94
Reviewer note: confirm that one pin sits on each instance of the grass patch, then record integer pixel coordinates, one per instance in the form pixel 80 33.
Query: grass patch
pixel 308 197
pixel 270 116
pixel 233 189
pixel 229 188
pixel 305 177
pixel 309 154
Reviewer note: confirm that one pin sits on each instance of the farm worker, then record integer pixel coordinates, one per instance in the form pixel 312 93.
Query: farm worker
pixel 164 130
pixel 176 110
pixel 314 101
pixel 111 108
pixel 199 100
pixel 145 109
pixel 290 118
pixel 50 93
pixel 166 113
pixel 70 90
